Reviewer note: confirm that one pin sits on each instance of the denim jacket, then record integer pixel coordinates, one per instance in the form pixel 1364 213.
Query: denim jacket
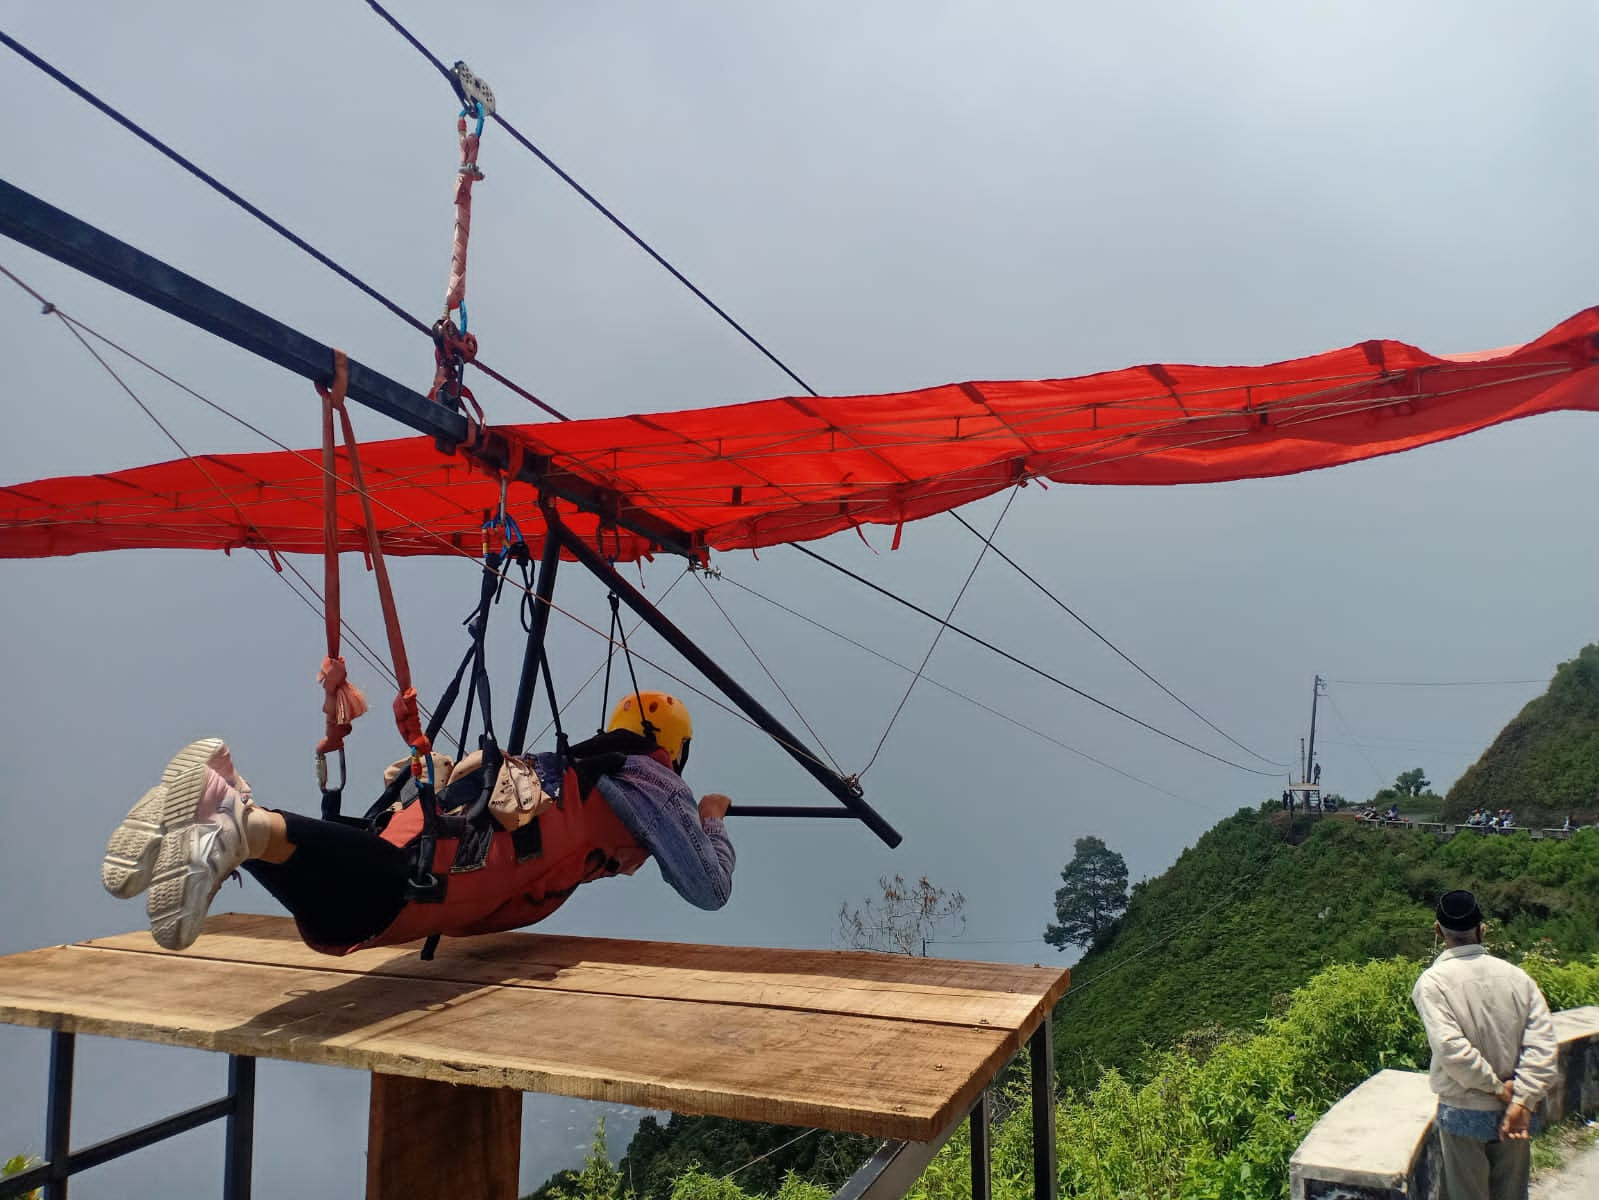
pixel 659 809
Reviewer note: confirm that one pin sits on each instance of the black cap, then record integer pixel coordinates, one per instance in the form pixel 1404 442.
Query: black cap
pixel 1458 911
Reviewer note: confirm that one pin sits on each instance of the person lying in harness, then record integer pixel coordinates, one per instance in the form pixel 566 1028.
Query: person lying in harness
pixel 616 801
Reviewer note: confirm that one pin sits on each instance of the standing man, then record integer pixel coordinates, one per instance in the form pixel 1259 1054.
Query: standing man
pixel 1493 1057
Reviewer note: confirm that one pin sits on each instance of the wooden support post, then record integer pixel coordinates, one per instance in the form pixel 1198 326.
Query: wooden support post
pixel 438 1141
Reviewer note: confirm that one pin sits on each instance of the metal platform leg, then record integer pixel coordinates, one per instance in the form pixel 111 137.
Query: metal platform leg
pixel 1041 1054
pixel 981 1174
pixel 240 1153
pixel 58 1121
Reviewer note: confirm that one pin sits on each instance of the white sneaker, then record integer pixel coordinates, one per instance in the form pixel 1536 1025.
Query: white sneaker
pixel 136 843
pixel 204 842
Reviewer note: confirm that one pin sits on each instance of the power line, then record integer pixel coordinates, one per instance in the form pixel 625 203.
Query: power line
pixel 1067 609
pixel 1438 684
pixel 277 227
pixel 595 202
pixel 1039 671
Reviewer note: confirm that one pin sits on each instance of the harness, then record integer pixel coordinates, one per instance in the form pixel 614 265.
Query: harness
pixel 523 875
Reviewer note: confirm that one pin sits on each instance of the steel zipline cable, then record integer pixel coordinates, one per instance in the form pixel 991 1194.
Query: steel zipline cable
pixel 595 202
pixel 1023 663
pixel 1120 653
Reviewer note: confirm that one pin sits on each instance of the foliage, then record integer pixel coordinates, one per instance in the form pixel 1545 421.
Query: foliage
pixel 1545 763
pixel 1412 782
pixel 596 1179
pixel 16 1165
pixel 1262 901
pixel 1092 896
pixel 904 920
pixel 1216 1121
pixel 660 1155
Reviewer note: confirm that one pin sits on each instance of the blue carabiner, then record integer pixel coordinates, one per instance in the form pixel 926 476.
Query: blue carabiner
pixel 475 109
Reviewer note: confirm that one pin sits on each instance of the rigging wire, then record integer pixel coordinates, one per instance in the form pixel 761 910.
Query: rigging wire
pixel 1067 609
pixel 762 662
pixel 277 227
pixel 595 674
pixel 594 202
pixel 942 626
pixel 1036 670
pixel 972 700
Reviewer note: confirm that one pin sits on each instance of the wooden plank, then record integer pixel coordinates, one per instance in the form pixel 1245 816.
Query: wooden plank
pixel 862 1074
pixel 994 995
pixel 433 1141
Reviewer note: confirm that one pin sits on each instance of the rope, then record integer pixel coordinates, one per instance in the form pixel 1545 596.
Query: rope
pixel 942 626
pixel 455 294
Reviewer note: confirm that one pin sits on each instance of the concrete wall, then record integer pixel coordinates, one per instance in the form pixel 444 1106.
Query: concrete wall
pixel 1378 1142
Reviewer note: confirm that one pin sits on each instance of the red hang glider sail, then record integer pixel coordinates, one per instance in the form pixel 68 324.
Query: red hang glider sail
pixel 797 468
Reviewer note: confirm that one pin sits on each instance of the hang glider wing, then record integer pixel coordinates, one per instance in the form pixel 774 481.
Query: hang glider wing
pixel 793 469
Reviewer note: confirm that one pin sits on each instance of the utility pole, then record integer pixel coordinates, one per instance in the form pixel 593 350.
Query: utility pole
pixel 1310 757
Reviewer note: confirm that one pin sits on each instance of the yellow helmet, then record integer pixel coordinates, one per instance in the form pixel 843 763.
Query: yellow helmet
pixel 658 715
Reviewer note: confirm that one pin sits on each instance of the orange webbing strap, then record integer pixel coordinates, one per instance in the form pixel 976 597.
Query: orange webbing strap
pixel 342 701
pixel 455 294
pixel 406 715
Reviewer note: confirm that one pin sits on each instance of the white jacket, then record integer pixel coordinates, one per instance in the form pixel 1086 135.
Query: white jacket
pixel 1486 1022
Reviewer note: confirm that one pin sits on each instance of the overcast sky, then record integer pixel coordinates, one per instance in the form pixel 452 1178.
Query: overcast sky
pixel 890 195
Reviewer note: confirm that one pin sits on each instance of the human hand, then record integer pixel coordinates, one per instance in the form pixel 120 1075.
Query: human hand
pixel 713 804
pixel 1517 1123
pixel 1506 1092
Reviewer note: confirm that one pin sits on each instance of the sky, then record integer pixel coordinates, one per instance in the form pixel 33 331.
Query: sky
pixel 889 195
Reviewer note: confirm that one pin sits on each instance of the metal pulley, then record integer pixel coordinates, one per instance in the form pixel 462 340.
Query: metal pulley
pixel 474 93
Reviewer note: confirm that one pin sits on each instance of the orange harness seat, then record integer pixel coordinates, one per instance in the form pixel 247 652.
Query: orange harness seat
pixel 582 840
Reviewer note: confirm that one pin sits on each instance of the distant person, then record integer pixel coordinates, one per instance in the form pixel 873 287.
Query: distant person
pixel 1392 814
pixel 1567 826
pixel 617 802
pixel 1316 775
pixel 1286 798
pixel 1493 1057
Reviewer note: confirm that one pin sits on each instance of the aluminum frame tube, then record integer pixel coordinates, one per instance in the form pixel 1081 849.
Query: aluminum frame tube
pixel 847 792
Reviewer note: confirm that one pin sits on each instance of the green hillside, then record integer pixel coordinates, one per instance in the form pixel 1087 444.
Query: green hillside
pixel 1261 903
pixel 1545 763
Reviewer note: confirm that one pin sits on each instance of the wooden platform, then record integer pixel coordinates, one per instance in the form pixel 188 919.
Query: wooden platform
pixel 867 1043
